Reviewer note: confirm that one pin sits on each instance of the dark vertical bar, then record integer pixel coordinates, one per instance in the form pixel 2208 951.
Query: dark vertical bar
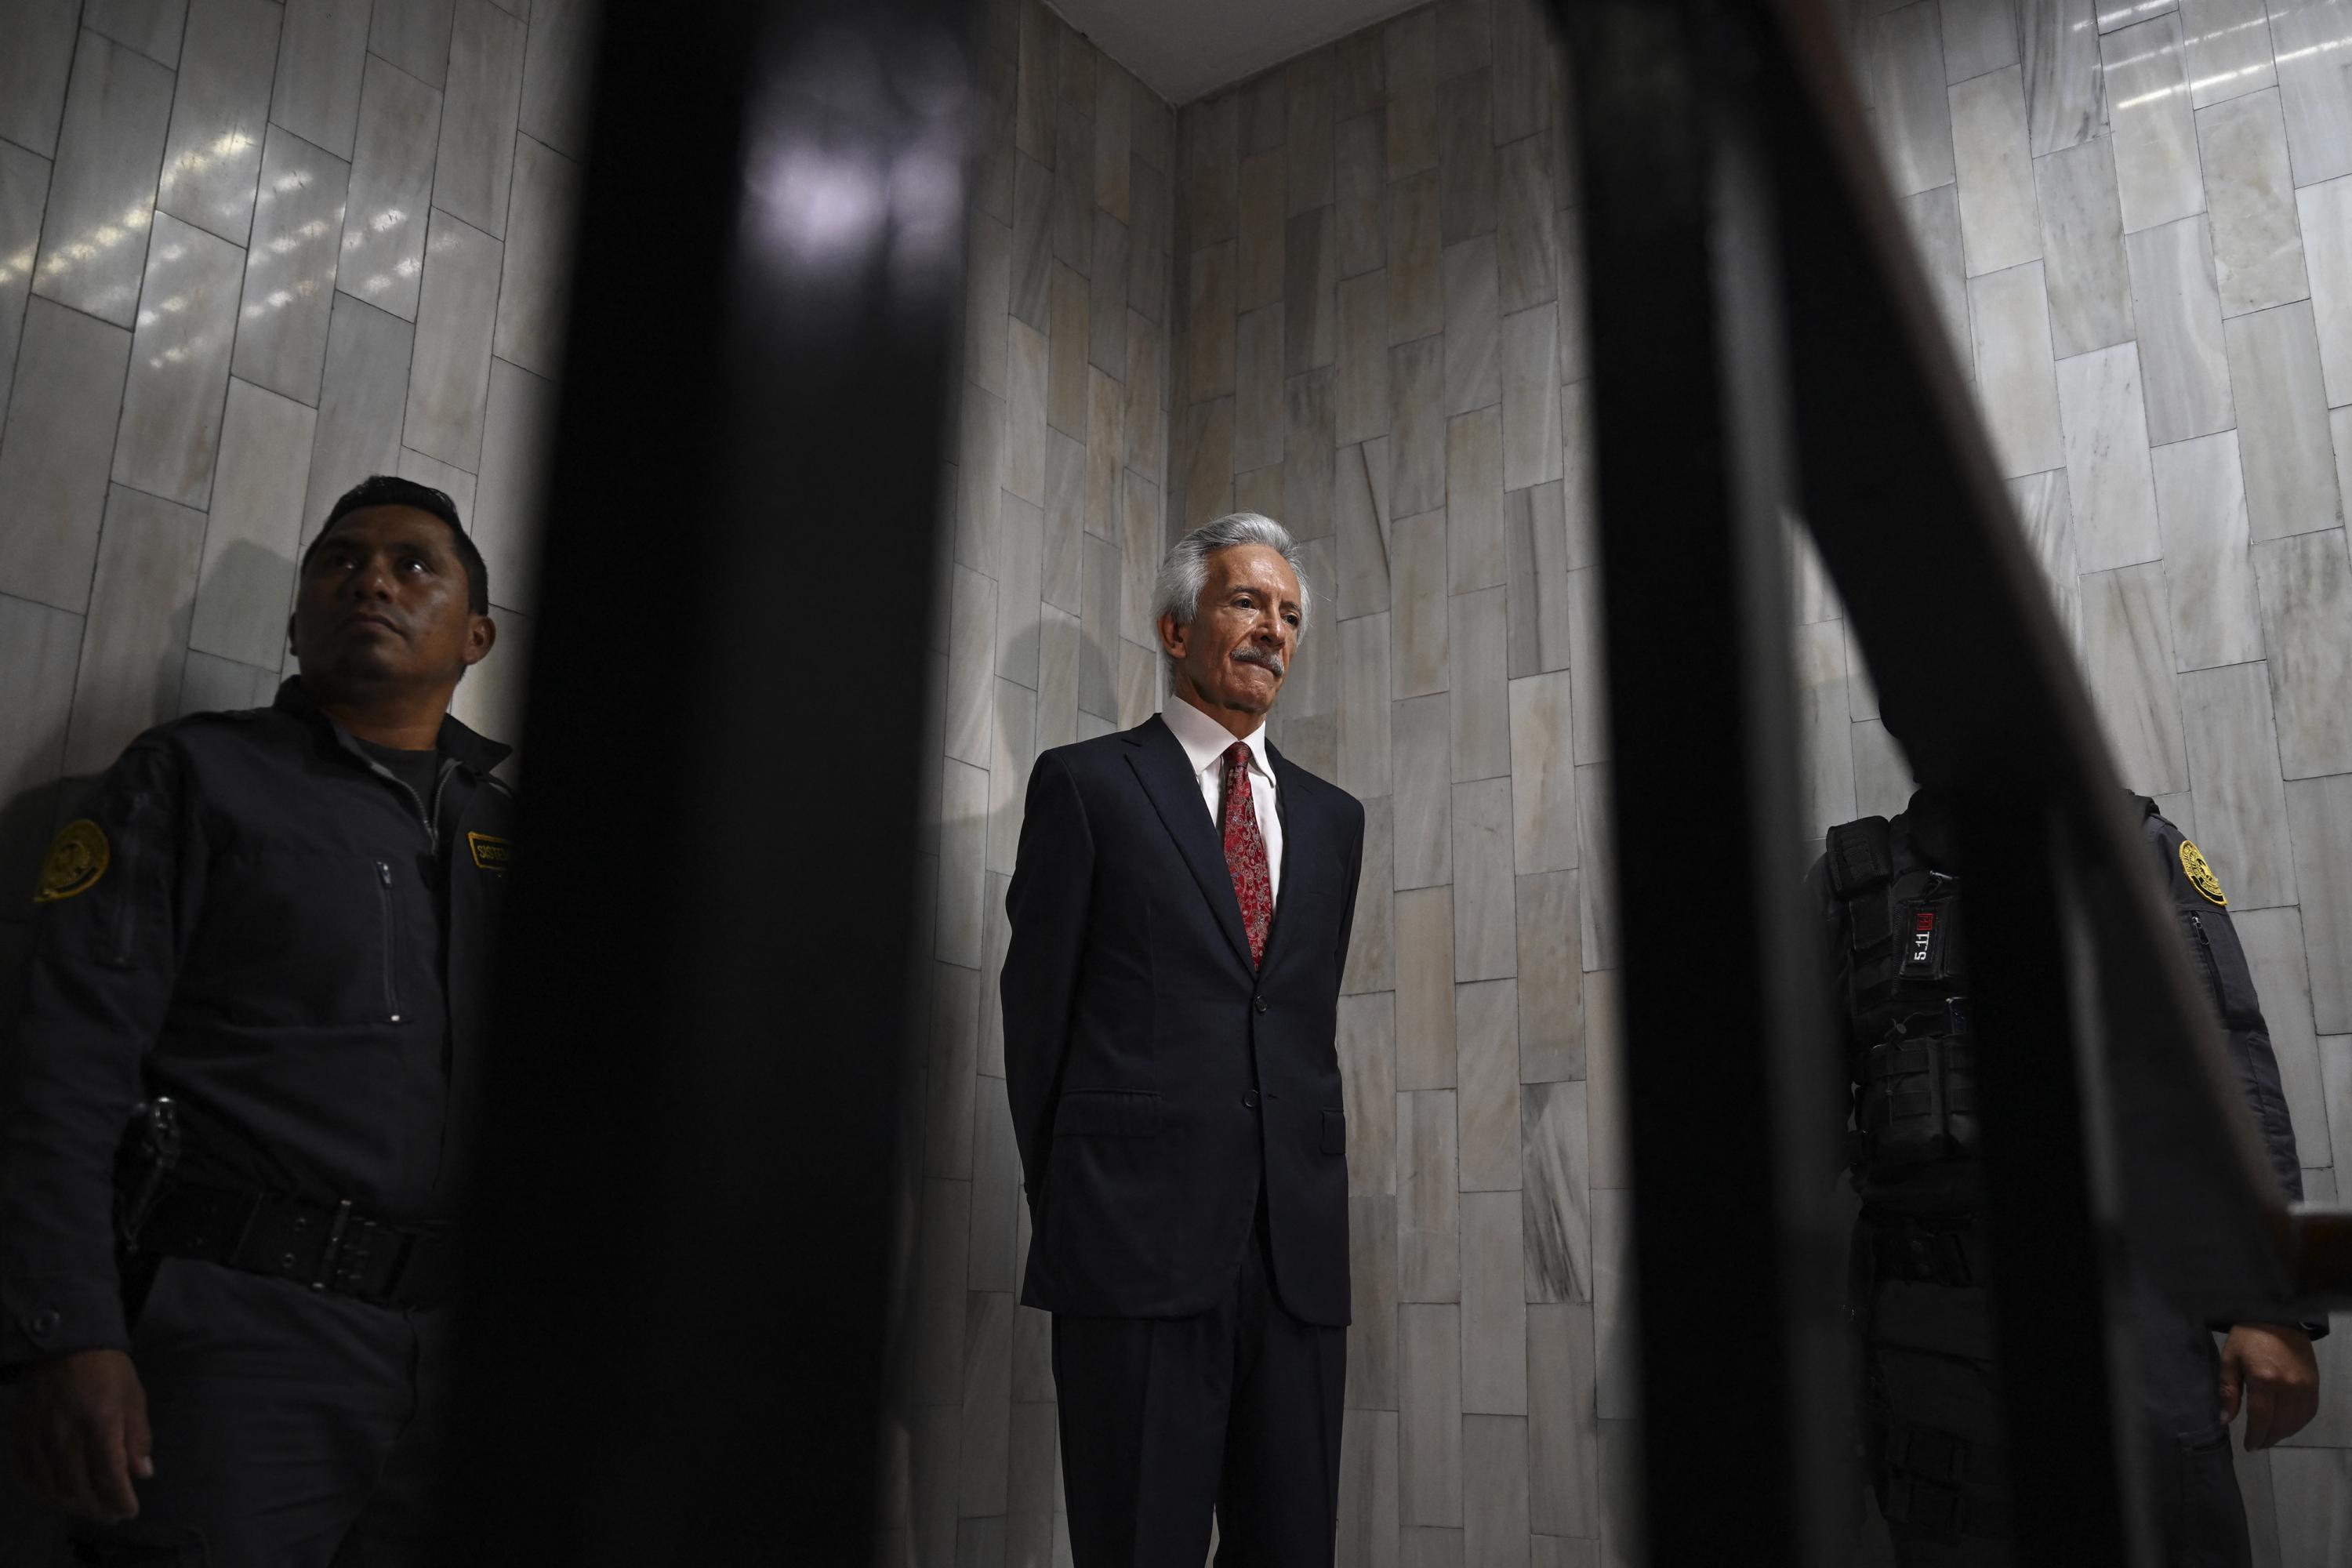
pixel 1730 1097
pixel 677 1244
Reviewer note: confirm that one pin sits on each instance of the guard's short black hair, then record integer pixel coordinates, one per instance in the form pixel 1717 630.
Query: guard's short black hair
pixel 389 489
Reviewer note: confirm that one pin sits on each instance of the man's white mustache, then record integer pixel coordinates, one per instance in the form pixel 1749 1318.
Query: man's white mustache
pixel 1272 661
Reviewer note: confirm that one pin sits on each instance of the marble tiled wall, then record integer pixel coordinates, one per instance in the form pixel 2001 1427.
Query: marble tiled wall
pixel 1052 528
pixel 251 252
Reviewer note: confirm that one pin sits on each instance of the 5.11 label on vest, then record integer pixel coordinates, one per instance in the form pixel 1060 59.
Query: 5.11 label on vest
pixel 1923 938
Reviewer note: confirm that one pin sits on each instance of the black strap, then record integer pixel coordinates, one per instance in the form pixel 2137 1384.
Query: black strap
pixel 327 1246
pixel 1933 1486
pixel 1860 860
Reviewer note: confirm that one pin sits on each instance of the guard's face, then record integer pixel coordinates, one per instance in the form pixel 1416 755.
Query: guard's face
pixel 1244 632
pixel 384 601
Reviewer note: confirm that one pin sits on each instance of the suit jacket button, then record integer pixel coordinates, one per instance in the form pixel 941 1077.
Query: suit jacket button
pixel 1258 1003
pixel 1249 1101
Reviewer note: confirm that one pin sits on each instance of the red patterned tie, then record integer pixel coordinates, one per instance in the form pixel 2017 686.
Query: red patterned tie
pixel 1246 851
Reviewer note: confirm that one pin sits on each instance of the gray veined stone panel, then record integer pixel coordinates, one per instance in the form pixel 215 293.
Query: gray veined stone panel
pixel 1913 116
pixel 555 73
pixel 2059 42
pixel 1424 991
pixel 1429 1416
pixel 1480 685
pixel 55 453
pixel 1258 389
pixel 415 35
pixel 1882 774
pixel 1486 1040
pixel 211 684
pixel 2083 229
pixel 451 480
pixel 1604 1055
pixel 1980 35
pixel 537 282
pixel 1032 241
pixel 1526 244
pixel 1012 749
pixel 320 49
pixel 1360 187
pixel 1532 453
pixel 24 191
pixel 1417 425
pixel 1258 254
pixel 1429 1204
pixel 1588 673
pixel 1367 1050
pixel 2108 474
pixel 456 314
pixel 1477 554
pixel 2154 125
pixel 971 633
pixel 2202 498
pixel 506 519
pixel 1026 442
pixel 1615 1323
pixel 2185 366
pixel 2228 50
pixel 1418 598
pixel 361 395
pixel 1551 978
pixel 135 638
pixel 1368 1481
pixel 2282 432
pixel 170 437
pixel 2308 39
pixel 39 646
pixel 1934 218
pixel 2327 228
pixel 1465 135
pixel 1019 597
pixel 1363 358
pixel 1494 1301
pixel 1310 459
pixel 1364 706
pixel 2046 513
pixel 2307 587
pixel 1563 1431
pixel 211 156
pixel 1415 270
pixel 109 154
pixel 391 190
pixel 2016 387
pixel 2319 819
pixel 2274 951
pixel 1363 539
pixel 1309 292
pixel 1472 322
pixel 1543 773
pixel 1494 1483
pixel 248 578
pixel 2128 660
pixel 34 70
pixel 1371 946
pixel 2001 224
pixel 2241 822
pixel 1486 942
pixel 1537 545
pixel 963 865
pixel 1557 1184
pixel 289 269
pixel 1596 814
pixel 2257 245
pixel 1412 66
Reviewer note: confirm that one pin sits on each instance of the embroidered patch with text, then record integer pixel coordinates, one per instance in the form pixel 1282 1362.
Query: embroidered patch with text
pixel 491 854
pixel 2200 874
pixel 78 857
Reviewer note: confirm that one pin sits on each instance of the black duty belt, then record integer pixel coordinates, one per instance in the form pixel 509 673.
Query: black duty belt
pixel 327 1246
pixel 1940 1254
pixel 1931 1488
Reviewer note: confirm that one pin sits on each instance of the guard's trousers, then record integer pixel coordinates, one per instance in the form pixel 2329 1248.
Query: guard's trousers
pixel 292 1428
pixel 1236 1411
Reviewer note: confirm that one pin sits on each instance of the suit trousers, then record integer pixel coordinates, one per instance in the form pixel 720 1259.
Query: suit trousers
pixel 1235 1410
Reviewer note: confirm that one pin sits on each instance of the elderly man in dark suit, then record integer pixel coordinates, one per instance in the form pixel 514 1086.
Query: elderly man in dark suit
pixel 1180 917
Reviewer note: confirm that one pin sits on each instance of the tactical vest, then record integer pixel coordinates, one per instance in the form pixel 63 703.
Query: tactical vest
pixel 1912 1054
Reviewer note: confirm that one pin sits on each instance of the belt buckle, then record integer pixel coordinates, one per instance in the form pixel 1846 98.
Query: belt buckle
pixel 326 1269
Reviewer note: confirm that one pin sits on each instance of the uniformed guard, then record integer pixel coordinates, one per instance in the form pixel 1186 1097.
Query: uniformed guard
pixel 1898 923
pixel 231 1146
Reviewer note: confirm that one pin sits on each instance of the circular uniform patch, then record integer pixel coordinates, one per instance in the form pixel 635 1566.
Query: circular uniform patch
pixel 2201 875
pixel 76 859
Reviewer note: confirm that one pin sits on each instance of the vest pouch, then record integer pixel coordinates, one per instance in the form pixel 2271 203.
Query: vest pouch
pixel 1918 1101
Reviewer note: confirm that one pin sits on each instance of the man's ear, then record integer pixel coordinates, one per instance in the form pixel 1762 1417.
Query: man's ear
pixel 481 635
pixel 1172 635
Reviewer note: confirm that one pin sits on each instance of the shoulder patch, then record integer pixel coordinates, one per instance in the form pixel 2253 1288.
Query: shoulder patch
pixel 490 853
pixel 78 857
pixel 2200 874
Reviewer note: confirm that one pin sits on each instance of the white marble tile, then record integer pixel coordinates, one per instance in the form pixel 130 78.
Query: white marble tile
pixel 1472 363
pixel 1912 113
pixel 1526 242
pixel 320 49
pixel 210 685
pixel 2242 823
pixel 24 190
pixel 1551 978
pixel 1531 454
pixel 2045 511
pixel 1422 781
pixel 2257 245
pixel 2273 942
pixel 1824 745
pixel 2309 38
pixel 1429 1204
pixel 2107 475
pixel 170 436
pixel 2185 367
pixel 1020 578
pixel 2319 822
pixel 2283 431
pixel 1371 949
pixel 1416 428
pixel 2154 125
pixel 456 311
pixel 2306 588
pixel 1588 665
pixel 34 69
pixel 361 395
pixel 1418 596
pixel 2201 497
pixel 1980 35
pixel 56 451
pixel 211 156
pixel 289 269
pixel 1362 390
pixel 449 479
pixel 1494 1485
pixel 1536 546
pixel 1364 684
pixel 1480 685
pixel 1999 220
pixel 1257 388
pixel 1367 1051
pixel 2313 1488
pixel 1368 1485
pixel 102 191
pixel 1563 1432
pixel 2088 281
pixel 475 165
pixel 1485 938
pixel 2114 14
pixel 536 286
pixel 391 190
pixel 2327 228
pixel 415 35
pixel 1425 995
pixel 2017 389
pixel 556 70
pixel 1477 549
pixel 1543 773
pixel 1487 1038
pixel 1617 1367
pixel 39 645
pixel 136 634
pixel 1882 774
pixel 1596 818
pixel 1429 1414
pixel 1934 219
pixel 2064 100
pixel 248 578
pixel 1012 749
pixel 153 28
pixel 1604 1055
pixel 1558 1241
pixel 2128 662
pixel 2228 47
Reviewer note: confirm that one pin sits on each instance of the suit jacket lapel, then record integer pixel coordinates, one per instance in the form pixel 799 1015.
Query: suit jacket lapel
pixel 1159 764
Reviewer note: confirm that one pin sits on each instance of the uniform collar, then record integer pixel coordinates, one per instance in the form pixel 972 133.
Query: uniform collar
pixel 1205 742
pixel 474 751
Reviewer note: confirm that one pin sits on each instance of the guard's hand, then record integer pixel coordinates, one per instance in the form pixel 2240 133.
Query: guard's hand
pixel 2272 1365
pixel 84 1434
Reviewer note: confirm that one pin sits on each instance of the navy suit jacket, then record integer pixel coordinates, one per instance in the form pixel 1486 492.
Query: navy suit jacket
pixel 1157 1077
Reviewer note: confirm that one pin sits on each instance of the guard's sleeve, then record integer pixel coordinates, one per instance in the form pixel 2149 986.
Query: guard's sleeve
pixel 96 984
pixel 1046 905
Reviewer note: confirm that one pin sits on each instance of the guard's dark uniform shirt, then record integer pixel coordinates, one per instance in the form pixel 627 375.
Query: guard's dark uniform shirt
pixel 258 920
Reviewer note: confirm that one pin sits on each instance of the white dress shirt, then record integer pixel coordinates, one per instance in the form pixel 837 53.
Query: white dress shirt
pixel 1205 742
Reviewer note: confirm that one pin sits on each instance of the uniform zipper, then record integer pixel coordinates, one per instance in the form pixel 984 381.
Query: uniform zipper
pixel 391 952
pixel 2206 960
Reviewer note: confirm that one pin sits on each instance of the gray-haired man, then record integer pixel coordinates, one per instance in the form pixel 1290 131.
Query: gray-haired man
pixel 1180 916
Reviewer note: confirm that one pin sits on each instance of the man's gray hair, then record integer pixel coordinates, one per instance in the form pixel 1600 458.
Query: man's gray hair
pixel 1185 571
